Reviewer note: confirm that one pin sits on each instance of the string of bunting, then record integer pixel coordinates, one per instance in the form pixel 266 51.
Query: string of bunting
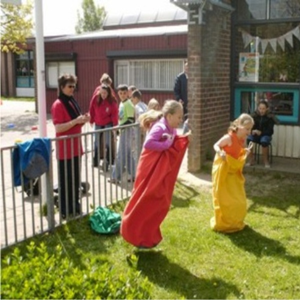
pixel 248 38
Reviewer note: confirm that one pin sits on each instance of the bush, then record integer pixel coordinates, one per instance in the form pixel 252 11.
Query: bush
pixel 40 275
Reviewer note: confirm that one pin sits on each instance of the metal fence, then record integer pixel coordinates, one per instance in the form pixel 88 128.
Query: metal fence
pixel 33 209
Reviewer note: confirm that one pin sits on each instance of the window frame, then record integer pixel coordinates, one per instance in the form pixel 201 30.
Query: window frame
pixel 30 77
pixel 294 119
pixel 50 86
pixel 130 61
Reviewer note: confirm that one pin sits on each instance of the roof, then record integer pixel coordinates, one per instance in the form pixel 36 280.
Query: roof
pixel 128 32
pixel 154 15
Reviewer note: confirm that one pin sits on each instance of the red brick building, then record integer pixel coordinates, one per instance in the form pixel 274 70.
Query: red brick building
pixel 218 38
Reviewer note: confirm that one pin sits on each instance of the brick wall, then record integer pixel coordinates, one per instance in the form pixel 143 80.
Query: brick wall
pixel 209 84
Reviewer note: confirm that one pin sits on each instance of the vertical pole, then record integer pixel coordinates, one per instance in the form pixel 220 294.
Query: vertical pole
pixel 41 87
pixel 40 67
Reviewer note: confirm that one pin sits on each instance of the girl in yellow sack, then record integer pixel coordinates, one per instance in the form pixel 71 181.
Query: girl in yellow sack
pixel 229 197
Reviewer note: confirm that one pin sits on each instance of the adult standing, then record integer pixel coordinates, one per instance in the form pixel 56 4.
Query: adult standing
pixel 68 120
pixel 181 88
pixel 104 113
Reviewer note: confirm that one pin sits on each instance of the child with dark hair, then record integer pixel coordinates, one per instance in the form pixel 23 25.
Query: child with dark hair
pixel 262 130
pixel 157 172
pixel 104 114
pixel 124 153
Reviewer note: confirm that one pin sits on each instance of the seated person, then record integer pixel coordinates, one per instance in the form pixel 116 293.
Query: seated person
pixel 262 130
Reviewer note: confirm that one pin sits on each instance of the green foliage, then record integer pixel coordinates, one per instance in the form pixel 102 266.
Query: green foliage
pixel 16 26
pixel 93 17
pixel 40 275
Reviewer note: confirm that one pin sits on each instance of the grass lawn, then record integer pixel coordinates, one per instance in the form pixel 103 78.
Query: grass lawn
pixel 193 262
pixel 29 99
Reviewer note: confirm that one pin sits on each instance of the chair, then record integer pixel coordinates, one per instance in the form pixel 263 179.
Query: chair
pixel 257 154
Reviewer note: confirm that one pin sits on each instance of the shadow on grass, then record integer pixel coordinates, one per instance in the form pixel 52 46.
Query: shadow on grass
pixel 259 245
pixel 281 200
pixel 171 276
pixel 184 194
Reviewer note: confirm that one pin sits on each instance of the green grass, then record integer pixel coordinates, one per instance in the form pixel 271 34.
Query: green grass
pixel 29 99
pixel 193 262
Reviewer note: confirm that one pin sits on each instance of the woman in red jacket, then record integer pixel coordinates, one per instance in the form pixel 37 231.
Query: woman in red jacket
pixel 104 113
pixel 68 120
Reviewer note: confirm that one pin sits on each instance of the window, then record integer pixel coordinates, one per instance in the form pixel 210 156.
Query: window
pixel 25 70
pixel 267 9
pixel 268 53
pixel 282 102
pixel 148 74
pixel 55 69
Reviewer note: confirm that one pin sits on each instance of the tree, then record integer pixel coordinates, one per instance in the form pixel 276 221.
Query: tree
pixel 93 17
pixel 16 26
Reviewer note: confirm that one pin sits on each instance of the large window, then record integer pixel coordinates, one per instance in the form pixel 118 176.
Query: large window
pixel 267 9
pixel 55 69
pixel 148 74
pixel 266 57
pixel 268 53
pixel 25 70
pixel 282 102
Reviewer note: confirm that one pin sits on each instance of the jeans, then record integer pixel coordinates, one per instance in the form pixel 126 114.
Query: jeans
pixel 102 150
pixel 263 140
pixel 125 156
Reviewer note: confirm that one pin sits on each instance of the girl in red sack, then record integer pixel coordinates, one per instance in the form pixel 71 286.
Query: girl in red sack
pixel 157 172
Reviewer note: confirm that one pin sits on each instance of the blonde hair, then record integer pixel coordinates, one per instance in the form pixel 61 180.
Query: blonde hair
pixel 241 121
pixel 150 116
pixel 153 104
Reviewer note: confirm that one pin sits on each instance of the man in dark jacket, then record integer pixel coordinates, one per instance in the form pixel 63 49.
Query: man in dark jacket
pixel 180 88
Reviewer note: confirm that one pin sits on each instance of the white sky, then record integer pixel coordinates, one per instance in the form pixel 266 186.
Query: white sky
pixel 60 16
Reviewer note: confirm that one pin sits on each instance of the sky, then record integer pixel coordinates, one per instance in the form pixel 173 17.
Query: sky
pixel 60 16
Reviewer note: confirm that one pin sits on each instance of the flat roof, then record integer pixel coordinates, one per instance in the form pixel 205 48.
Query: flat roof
pixel 127 32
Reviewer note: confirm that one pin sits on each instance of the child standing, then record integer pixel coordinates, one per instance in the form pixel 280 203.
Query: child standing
pixel 229 197
pixel 156 175
pixel 104 113
pixel 124 153
pixel 153 104
pixel 140 108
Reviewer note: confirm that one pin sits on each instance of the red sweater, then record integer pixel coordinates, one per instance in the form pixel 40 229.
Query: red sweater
pixel 105 113
pixel 73 146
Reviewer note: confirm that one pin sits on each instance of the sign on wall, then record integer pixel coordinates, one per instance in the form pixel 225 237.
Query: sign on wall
pixel 249 67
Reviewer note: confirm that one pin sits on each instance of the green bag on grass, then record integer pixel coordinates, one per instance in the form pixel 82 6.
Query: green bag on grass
pixel 105 221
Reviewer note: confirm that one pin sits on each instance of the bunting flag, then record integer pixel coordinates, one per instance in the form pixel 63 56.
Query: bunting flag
pixel 287 37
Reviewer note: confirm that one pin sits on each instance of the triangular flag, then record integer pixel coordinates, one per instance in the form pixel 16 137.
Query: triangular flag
pixel 247 38
pixel 281 42
pixel 296 32
pixel 264 44
pixel 289 37
pixel 273 43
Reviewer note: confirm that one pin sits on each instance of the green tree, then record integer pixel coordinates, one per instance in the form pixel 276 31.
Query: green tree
pixel 93 17
pixel 16 26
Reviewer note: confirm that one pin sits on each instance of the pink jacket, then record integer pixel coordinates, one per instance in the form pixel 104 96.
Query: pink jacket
pixel 160 137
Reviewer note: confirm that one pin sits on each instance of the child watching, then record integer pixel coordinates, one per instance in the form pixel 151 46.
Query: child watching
pixel 124 153
pixel 153 104
pixel 262 131
pixel 140 108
